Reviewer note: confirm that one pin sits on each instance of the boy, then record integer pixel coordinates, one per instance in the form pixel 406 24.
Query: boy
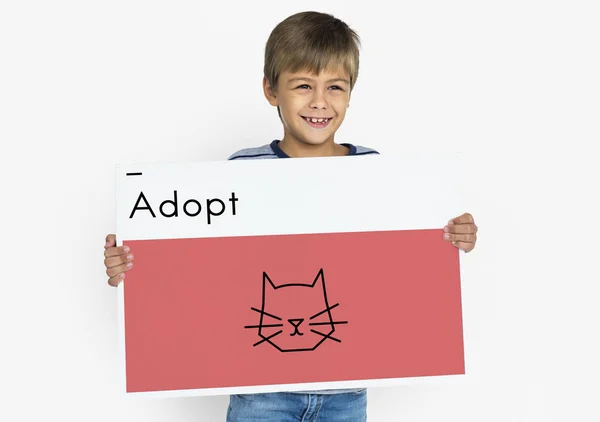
pixel 311 67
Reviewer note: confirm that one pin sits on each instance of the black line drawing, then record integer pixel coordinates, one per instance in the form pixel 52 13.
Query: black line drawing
pixel 292 334
pixel 133 174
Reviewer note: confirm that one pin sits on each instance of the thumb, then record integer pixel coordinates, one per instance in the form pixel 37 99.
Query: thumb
pixel 111 240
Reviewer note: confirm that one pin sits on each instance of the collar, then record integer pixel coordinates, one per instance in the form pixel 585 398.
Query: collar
pixel 280 154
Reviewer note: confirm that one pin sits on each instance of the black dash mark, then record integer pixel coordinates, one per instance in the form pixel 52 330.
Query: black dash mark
pixel 134 174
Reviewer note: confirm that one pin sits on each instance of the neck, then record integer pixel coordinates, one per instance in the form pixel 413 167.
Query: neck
pixel 296 149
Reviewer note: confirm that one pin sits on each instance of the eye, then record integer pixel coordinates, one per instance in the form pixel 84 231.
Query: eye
pixel 337 87
pixel 303 85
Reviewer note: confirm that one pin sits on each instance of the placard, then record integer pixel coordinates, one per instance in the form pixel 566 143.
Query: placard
pixel 289 274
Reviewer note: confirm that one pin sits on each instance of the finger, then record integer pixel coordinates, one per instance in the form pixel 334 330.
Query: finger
pixel 467 247
pixel 114 271
pixel 471 238
pixel 114 251
pixel 114 281
pixel 460 228
pixel 462 219
pixel 118 260
pixel 111 240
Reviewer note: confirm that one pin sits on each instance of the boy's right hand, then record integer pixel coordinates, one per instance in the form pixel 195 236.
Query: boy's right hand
pixel 116 260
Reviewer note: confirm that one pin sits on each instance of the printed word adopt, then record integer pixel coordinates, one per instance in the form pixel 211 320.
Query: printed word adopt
pixel 192 208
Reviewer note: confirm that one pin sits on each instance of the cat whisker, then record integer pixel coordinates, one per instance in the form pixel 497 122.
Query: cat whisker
pixel 328 323
pixel 267 338
pixel 264 326
pixel 327 336
pixel 266 313
pixel 325 310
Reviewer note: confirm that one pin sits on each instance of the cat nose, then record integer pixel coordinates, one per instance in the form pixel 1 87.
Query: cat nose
pixel 296 322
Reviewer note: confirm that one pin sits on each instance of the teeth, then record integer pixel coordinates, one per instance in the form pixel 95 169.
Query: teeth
pixel 318 120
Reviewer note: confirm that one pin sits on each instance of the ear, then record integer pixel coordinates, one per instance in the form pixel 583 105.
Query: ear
pixel 270 93
pixel 319 279
pixel 267 281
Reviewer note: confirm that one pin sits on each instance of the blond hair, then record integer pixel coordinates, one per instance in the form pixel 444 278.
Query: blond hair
pixel 311 41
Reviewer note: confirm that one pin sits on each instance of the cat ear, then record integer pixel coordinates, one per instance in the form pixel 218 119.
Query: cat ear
pixel 267 281
pixel 319 279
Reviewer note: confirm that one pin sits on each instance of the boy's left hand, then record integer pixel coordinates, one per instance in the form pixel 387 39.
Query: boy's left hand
pixel 462 232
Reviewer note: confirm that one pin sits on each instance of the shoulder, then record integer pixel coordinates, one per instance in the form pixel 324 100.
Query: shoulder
pixel 362 150
pixel 260 152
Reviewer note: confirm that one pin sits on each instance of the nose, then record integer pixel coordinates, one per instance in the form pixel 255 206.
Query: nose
pixel 295 322
pixel 318 101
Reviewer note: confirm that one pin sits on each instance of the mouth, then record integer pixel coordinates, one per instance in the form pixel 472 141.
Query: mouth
pixel 317 123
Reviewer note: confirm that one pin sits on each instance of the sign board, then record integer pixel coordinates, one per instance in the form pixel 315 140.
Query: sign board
pixel 289 274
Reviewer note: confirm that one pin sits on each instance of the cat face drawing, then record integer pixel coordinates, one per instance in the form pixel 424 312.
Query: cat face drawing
pixel 295 317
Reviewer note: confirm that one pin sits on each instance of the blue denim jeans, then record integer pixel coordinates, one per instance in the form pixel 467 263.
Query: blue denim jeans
pixel 295 407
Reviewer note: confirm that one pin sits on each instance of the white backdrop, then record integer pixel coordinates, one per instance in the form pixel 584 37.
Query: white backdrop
pixel 513 85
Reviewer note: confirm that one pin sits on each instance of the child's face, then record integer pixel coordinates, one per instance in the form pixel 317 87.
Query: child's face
pixel 303 96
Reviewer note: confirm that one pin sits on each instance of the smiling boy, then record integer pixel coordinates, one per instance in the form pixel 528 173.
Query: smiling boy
pixel 311 67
